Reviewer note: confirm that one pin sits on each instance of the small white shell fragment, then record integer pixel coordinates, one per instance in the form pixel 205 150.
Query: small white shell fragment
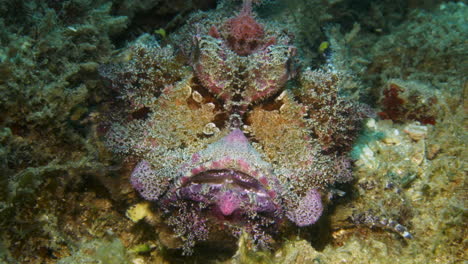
pixel 197 97
pixel 281 96
pixel 210 129
pixel 283 108
pixel 247 129
pixel 138 261
pixel 209 106
pixel 187 91
pixel 393 137
pixel 367 151
pixel 367 159
pixel 416 132
pixel 72 29
pixel 371 123
pixel 417 158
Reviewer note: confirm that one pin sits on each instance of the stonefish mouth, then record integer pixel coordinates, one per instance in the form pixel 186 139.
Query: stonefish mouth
pixel 231 177
pixel 228 183
pixel 230 192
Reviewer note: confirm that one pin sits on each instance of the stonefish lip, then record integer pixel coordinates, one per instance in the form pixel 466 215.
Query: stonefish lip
pixel 231 177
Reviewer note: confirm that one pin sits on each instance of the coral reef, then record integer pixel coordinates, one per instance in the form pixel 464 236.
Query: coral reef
pixel 49 87
pixel 403 101
pixel 408 53
pixel 223 177
pixel 310 21
pixel 105 252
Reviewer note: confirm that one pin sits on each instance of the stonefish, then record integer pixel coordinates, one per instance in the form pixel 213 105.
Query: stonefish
pixel 225 142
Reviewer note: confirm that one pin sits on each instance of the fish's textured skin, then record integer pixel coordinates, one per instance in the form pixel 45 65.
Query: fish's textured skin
pixel 224 144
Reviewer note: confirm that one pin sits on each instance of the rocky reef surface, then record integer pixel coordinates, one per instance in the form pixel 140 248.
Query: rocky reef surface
pixel 145 132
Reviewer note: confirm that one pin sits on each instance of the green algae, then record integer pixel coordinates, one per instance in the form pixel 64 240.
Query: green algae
pixel 99 251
